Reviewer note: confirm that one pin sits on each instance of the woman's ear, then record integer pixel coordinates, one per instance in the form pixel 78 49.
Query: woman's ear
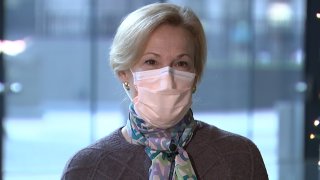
pixel 195 82
pixel 126 80
pixel 123 76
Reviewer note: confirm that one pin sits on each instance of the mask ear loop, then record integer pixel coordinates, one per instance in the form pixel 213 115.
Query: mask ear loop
pixel 126 88
pixel 194 88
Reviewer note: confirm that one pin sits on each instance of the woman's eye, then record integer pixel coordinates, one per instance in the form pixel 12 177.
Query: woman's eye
pixel 150 62
pixel 182 64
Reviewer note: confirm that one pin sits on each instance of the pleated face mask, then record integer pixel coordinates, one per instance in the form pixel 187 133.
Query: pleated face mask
pixel 164 95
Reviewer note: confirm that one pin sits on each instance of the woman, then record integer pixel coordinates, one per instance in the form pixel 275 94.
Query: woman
pixel 159 53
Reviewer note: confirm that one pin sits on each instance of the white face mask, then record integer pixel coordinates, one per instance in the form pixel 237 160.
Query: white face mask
pixel 164 95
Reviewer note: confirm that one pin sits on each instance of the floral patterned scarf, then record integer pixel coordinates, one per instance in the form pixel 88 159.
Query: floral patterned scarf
pixel 165 147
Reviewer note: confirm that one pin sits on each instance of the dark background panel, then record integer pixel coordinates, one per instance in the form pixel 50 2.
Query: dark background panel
pixel 312 77
pixel 2 78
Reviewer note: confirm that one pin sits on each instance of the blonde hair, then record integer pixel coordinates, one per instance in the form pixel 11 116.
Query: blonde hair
pixel 135 29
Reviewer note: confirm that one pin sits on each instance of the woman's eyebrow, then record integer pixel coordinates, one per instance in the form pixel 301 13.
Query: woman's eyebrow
pixel 184 54
pixel 158 55
pixel 151 53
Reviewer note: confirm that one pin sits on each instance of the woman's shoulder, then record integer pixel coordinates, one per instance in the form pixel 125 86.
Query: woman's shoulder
pixel 83 164
pixel 215 136
pixel 229 154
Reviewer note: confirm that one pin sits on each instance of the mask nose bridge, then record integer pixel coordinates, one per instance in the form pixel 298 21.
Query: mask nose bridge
pixel 167 81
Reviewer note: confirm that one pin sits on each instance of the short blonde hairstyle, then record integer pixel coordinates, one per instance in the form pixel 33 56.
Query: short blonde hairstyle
pixel 134 31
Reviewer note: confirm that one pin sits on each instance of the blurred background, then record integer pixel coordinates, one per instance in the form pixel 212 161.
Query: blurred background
pixel 58 93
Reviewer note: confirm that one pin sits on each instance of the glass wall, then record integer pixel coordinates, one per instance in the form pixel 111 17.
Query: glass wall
pixel 63 95
pixel 253 83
